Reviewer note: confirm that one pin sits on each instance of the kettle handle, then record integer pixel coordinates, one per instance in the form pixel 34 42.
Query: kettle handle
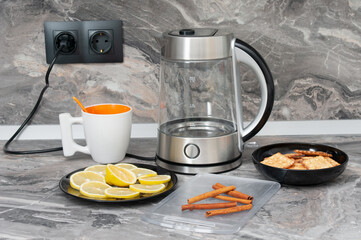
pixel 244 53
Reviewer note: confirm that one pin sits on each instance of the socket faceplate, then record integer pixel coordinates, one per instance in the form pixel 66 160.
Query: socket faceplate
pixel 84 53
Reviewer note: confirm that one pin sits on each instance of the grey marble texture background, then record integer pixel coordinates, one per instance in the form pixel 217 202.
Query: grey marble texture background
pixel 312 47
pixel 33 207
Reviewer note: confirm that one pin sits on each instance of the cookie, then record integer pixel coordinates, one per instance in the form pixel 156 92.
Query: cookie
pixel 294 155
pixel 332 162
pixel 278 160
pixel 313 153
pixel 318 162
pixel 297 166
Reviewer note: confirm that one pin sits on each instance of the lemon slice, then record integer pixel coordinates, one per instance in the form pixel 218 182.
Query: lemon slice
pixel 154 180
pixel 120 193
pixel 101 169
pixel 118 176
pixel 147 188
pixel 139 172
pixel 77 179
pixel 94 189
pixel 126 165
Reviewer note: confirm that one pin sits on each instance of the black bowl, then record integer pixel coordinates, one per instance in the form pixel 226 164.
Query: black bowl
pixel 299 177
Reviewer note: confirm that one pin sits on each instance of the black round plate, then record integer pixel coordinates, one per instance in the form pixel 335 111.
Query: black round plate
pixel 299 177
pixel 64 185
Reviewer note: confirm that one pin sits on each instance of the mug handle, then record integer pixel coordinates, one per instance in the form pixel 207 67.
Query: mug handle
pixel 244 53
pixel 69 146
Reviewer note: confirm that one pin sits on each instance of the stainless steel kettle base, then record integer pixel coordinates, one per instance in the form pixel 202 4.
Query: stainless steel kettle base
pixel 189 169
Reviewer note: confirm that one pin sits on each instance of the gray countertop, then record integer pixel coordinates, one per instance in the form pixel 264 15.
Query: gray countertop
pixel 33 207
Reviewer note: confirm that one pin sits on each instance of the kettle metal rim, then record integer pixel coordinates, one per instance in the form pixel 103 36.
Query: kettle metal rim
pixel 196 48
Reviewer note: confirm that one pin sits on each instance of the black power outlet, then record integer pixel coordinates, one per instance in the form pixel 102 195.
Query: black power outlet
pixel 71 38
pixel 100 41
pixel 87 41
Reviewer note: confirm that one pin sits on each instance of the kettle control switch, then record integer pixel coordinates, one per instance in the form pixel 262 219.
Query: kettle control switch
pixel 191 151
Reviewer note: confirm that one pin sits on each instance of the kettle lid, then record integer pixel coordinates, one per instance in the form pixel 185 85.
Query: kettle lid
pixel 194 32
pixel 196 44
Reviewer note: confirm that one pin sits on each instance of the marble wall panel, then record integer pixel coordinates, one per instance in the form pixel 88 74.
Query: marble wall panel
pixel 313 48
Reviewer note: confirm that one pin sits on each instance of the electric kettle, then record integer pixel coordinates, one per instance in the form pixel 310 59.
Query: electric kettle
pixel 200 109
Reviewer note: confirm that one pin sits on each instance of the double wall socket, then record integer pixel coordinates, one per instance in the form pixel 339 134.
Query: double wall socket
pixel 87 41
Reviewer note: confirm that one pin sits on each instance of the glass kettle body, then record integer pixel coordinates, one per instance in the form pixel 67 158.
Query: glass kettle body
pixel 200 110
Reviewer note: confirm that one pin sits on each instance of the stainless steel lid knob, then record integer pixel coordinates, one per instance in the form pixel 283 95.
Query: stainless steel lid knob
pixel 191 151
pixel 186 32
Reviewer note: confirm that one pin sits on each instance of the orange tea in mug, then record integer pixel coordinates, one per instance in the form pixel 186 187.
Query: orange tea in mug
pixel 107 109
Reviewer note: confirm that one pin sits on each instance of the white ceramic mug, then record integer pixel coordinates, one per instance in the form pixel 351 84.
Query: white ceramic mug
pixel 107 129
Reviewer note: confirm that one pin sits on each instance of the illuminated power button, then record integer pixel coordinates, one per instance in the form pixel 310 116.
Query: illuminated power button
pixel 191 151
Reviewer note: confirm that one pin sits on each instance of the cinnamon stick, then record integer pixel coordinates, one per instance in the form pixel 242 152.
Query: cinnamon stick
pixel 210 194
pixel 232 199
pixel 208 206
pixel 228 210
pixel 236 194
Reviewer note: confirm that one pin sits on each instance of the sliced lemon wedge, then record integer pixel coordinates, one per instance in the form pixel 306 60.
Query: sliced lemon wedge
pixel 126 165
pixel 154 180
pixel 101 169
pixel 94 189
pixel 78 178
pixel 115 192
pixel 118 176
pixel 139 172
pixel 147 188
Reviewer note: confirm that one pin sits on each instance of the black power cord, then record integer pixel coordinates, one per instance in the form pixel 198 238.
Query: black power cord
pixel 140 157
pixel 63 45
pixel 31 115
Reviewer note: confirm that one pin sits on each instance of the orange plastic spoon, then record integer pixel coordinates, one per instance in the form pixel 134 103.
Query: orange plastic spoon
pixel 78 102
